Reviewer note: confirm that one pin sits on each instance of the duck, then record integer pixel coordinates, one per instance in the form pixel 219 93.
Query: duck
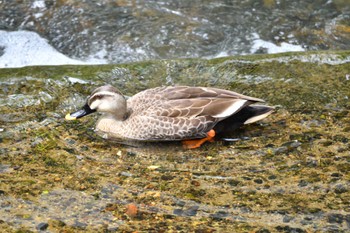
pixel 189 114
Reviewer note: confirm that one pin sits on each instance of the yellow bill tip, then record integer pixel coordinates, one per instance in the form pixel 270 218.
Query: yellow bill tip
pixel 69 117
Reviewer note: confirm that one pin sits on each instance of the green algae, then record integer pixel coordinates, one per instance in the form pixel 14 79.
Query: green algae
pixel 293 165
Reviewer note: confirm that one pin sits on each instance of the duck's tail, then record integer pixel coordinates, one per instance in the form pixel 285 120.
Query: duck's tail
pixel 246 115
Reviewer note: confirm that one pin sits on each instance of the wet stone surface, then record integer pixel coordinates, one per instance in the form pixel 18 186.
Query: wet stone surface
pixel 287 173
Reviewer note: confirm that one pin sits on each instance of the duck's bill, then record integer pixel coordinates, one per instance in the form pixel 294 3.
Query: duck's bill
pixel 86 110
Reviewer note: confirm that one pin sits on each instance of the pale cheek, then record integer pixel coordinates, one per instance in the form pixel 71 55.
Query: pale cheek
pixel 105 107
pixel 95 104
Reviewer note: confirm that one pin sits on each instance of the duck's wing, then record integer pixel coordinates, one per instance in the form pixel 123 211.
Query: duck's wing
pixel 182 101
pixel 185 92
pixel 184 112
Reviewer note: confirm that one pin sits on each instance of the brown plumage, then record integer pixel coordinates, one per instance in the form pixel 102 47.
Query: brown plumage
pixel 170 113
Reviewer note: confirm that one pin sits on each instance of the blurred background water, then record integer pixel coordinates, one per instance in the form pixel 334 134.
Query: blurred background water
pixel 42 32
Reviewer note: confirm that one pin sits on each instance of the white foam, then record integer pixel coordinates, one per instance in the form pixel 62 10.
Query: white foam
pixel 38 15
pixel 38 4
pixel 172 11
pixel 25 48
pixel 76 80
pixel 221 54
pixel 273 48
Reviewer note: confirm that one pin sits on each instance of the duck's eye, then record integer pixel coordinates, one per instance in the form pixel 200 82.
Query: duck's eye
pixel 94 98
pixel 97 97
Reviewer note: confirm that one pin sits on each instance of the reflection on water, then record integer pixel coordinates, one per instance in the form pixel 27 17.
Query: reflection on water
pixel 123 31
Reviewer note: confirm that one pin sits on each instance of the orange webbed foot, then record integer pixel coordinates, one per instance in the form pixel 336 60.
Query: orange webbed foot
pixel 195 143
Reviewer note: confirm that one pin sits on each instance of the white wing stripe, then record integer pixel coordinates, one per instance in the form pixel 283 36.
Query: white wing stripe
pixel 237 105
pixel 257 118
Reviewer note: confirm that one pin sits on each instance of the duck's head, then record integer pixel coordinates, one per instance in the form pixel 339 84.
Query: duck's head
pixel 105 99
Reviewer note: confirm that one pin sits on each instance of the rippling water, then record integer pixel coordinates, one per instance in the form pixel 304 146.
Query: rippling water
pixel 125 31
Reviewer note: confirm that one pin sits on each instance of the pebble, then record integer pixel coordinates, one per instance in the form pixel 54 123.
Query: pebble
pixel 219 215
pixel 126 174
pixel 70 141
pixel 234 182
pixel 79 157
pixel 335 218
pixel 191 211
pixel 263 231
pixel 180 203
pixel 178 212
pixel 258 181
pixel 339 189
pixel 305 222
pixel 287 219
pixel 131 210
pixel 153 167
pixel 331 228
pixel 312 163
pixel 80 224
pixel 42 226
pixel 289 229
pixel 195 183
pixel 347 220
pixel 303 183
pixel 5 168
pixel 84 148
pixel 167 177
pixel 131 154
pixel 280 150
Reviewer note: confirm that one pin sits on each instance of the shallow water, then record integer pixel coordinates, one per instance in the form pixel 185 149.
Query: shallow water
pixel 126 31
pixel 289 172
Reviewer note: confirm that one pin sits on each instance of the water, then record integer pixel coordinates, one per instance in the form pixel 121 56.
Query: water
pixel 23 48
pixel 287 173
pixel 95 32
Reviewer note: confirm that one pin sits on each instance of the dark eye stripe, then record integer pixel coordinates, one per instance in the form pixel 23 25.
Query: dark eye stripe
pixel 97 97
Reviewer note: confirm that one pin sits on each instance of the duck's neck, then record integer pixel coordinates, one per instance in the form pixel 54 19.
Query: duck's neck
pixel 113 117
pixel 118 114
pixel 117 117
pixel 112 123
pixel 107 126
